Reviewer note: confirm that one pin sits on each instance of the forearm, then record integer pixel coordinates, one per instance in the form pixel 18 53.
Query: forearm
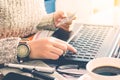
pixel 8 49
pixel 47 22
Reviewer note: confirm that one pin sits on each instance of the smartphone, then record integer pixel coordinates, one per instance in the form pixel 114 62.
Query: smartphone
pixel 61 34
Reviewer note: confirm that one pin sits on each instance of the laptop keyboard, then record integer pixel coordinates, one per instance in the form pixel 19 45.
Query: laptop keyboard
pixel 88 42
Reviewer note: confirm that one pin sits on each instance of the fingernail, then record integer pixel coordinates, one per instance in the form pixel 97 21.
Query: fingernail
pixel 75 51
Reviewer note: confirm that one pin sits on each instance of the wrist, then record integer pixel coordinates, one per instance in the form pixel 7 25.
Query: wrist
pixel 23 51
pixel 53 20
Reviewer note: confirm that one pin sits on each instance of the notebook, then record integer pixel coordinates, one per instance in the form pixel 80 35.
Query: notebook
pixel 91 41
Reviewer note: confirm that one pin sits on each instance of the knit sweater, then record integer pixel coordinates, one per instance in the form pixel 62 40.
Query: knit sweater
pixel 20 18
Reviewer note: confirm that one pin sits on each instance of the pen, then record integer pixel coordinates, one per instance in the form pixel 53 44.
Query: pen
pixel 67 19
pixel 38 68
pixel 38 74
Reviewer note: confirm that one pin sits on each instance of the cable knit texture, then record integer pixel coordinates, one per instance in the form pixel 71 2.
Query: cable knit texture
pixel 20 18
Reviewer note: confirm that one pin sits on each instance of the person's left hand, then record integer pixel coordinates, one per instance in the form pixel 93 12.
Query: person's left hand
pixel 58 16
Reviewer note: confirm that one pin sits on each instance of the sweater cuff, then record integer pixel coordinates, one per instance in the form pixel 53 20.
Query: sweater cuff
pixel 8 49
pixel 47 22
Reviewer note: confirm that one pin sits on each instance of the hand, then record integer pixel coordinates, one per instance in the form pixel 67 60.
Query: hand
pixel 48 48
pixel 58 16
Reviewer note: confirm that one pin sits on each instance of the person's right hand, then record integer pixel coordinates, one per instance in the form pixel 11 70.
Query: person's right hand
pixel 49 48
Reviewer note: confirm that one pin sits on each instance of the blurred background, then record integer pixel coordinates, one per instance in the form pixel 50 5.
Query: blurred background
pixel 82 8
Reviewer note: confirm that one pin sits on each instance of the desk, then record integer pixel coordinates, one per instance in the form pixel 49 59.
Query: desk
pixel 35 62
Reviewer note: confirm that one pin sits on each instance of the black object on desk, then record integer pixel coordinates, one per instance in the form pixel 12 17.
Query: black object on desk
pixel 62 34
pixel 38 74
pixel 16 76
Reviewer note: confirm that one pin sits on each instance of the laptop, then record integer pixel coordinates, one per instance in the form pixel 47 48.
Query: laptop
pixel 91 41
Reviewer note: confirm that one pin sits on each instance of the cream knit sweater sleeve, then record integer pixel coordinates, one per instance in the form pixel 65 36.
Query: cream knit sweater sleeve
pixel 19 18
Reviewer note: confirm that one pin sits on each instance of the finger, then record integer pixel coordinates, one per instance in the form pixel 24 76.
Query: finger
pixel 52 55
pixel 57 51
pixel 66 24
pixel 71 48
pixel 65 28
pixel 66 45
pixel 60 45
